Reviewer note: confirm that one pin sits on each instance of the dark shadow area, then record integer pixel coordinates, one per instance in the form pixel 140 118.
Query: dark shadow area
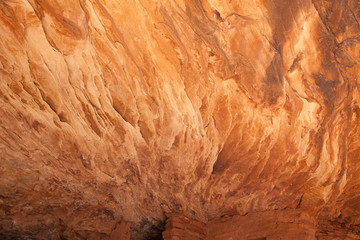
pixel 16 236
pixel 155 233
pixel 148 231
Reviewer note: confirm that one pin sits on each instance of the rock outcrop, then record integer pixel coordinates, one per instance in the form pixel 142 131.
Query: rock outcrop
pixel 118 113
pixel 271 225
pixel 180 227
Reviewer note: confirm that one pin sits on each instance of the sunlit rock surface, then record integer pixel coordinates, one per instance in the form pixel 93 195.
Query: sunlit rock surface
pixel 120 112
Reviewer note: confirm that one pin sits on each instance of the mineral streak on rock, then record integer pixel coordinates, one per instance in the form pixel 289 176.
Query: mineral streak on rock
pixel 120 112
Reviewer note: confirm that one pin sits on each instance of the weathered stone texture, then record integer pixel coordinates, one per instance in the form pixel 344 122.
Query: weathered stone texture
pixel 273 225
pixel 130 110
pixel 180 227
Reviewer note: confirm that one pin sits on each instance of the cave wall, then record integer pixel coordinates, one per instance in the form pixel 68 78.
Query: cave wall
pixel 270 225
pixel 294 224
pixel 180 227
pixel 131 110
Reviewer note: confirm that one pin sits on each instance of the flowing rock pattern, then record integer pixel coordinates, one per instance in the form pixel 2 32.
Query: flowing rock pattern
pixel 117 111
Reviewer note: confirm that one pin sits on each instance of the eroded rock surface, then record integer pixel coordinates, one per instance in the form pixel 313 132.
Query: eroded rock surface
pixel 118 111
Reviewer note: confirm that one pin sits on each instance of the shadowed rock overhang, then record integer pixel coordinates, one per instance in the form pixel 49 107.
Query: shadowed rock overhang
pixel 117 114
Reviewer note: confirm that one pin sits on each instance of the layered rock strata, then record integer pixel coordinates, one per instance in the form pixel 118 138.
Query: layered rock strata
pixel 270 225
pixel 180 227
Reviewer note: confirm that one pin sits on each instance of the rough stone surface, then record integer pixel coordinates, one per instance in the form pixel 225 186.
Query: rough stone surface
pixel 270 225
pixel 179 227
pixel 130 110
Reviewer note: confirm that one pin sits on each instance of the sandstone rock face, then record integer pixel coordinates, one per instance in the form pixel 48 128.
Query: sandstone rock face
pixel 180 227
pixel 272 225
pixel 116 111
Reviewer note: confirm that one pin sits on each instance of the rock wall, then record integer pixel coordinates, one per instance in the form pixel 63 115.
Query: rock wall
pixel 121 231
pixel 269 225
pixel 180 227
pixel 131 110
pixel 292 224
